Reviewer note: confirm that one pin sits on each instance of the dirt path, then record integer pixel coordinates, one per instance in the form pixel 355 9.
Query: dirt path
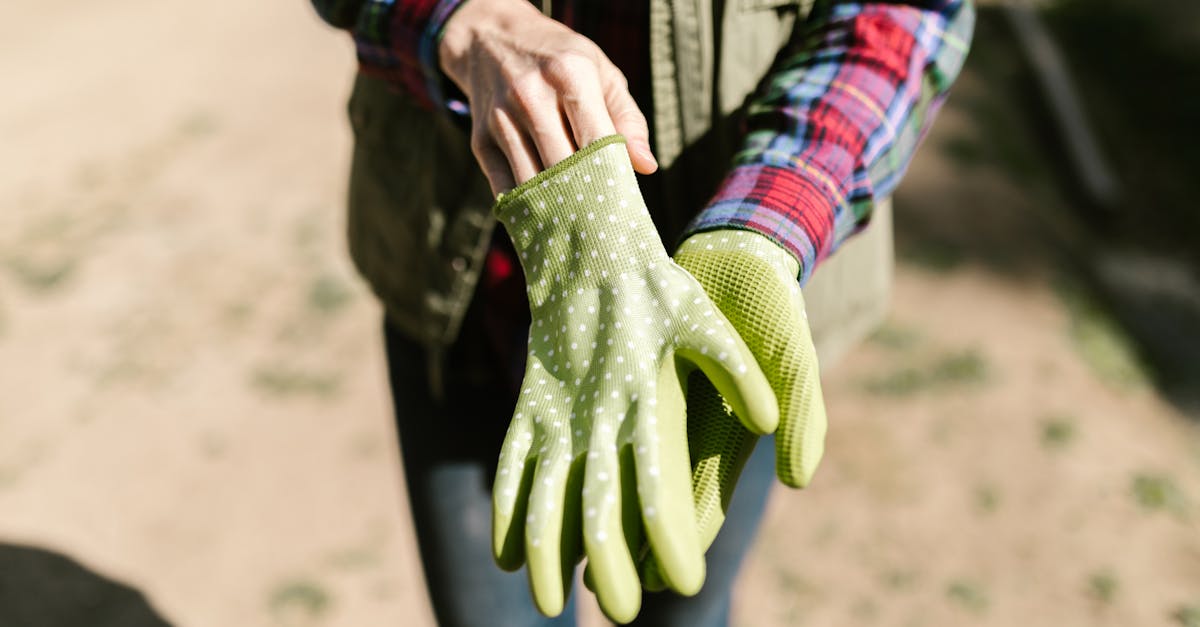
pixel 192 397
pixel 193 402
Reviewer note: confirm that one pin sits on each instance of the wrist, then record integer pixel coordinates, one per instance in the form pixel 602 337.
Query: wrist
pixel 473 20
pixel 794 207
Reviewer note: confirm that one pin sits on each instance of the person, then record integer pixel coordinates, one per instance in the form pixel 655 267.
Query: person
pixel 783 125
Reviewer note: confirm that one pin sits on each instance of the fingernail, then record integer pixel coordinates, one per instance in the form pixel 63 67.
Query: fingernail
pixel 644 152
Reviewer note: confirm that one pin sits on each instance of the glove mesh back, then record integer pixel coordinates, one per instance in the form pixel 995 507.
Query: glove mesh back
pixel 719 446
pixel 753 282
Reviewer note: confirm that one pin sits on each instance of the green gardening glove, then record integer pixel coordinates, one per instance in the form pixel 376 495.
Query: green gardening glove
pixel 753 281
pixel 596 453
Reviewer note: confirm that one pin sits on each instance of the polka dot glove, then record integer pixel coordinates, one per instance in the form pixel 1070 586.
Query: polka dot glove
pixel 752 280
pixel 596 454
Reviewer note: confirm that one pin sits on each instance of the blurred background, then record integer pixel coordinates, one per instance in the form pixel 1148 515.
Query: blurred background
pixel 194 419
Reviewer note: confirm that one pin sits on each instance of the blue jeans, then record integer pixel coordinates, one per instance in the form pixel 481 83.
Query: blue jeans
pixel 450 448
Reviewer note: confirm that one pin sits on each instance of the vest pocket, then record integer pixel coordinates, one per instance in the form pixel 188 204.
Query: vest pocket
pixel 419 215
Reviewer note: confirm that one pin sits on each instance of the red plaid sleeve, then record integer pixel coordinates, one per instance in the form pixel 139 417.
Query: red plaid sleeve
pixel 397 40
pixel 838 121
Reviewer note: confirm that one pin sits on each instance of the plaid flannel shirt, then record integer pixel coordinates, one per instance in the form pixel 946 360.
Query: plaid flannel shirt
pixel 834 127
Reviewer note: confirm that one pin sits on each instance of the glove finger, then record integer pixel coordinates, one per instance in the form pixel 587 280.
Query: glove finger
pixel 552 528
pixel 589 580
pixel 800 441
pixel 610 506
pixel 631 510
pixel 719 446
pixel 651 575
pixel 664 485
pixel 728 363
pixel 631 515
pixel 510 492
pixel 571 540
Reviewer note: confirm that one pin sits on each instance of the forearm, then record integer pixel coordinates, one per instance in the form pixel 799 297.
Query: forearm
pixel 837 122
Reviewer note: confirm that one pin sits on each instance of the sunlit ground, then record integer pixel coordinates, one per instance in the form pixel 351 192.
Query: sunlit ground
pixel 194 420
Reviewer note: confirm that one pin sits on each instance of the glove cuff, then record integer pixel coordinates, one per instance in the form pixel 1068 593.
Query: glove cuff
pixel 580 221
pixel 736 243
pixel 513 206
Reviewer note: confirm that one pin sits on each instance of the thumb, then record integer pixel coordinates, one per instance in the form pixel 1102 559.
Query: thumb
pixel 629 121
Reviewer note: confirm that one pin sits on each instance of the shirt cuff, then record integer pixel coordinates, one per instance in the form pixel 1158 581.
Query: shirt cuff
pixel 397 40
pixel 789 207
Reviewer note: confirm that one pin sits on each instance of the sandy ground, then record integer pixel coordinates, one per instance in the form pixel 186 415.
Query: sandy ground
pixel 193 399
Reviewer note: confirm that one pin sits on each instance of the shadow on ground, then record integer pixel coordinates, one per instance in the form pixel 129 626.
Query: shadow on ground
pixel 41 588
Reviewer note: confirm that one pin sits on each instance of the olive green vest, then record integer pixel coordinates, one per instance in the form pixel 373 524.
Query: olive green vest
pixel 420 221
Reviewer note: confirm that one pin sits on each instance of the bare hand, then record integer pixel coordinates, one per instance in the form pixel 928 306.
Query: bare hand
pixel 538 91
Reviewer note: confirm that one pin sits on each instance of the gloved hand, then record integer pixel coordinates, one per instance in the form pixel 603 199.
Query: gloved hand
pixel 597 445
pixel 753 282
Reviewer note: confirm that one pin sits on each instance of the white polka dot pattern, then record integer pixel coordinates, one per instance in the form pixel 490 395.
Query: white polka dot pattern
pixel 615 322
